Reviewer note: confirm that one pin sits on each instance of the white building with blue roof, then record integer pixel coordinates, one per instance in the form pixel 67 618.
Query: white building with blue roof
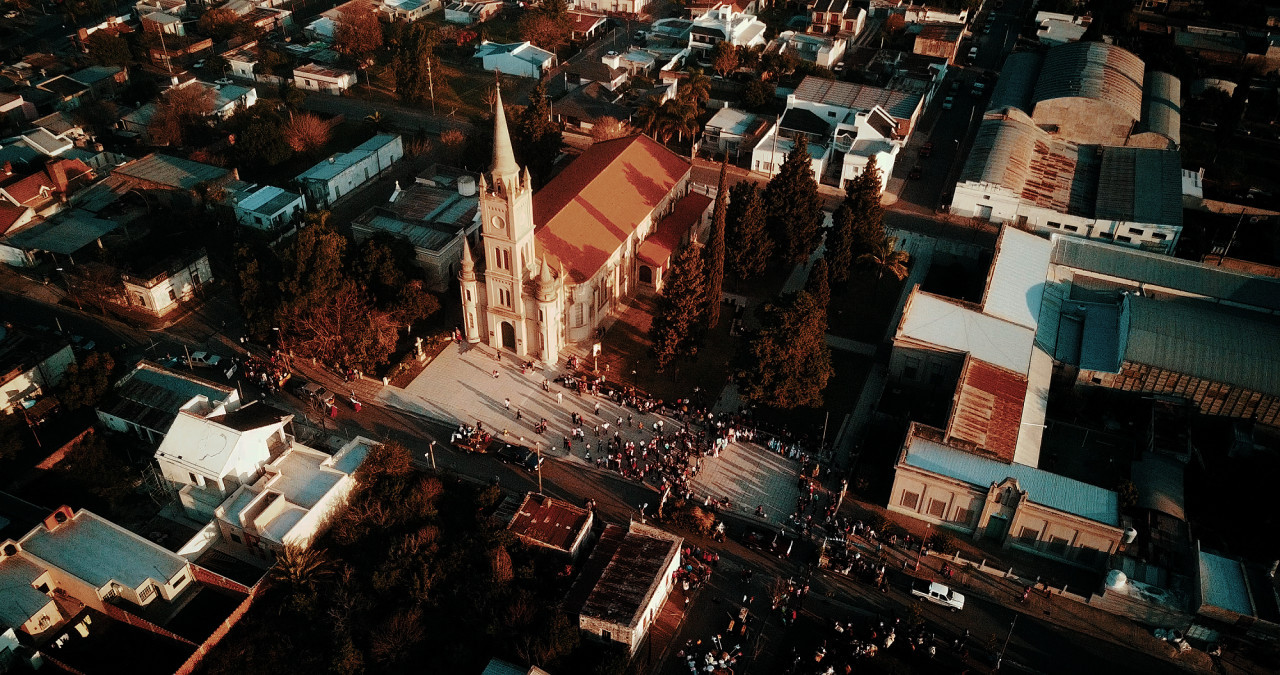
pixel 331 179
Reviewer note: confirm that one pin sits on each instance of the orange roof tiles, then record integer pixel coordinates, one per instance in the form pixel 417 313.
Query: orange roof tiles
pixel 9 214
pixel 664 241
pixel 590 209
pixel 988 409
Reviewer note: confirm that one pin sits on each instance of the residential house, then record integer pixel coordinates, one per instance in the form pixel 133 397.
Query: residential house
pixel 837 17
pixel 34 67
pixel 15 109
pixel 725 23
pixel 147 399
pixel 330 179
pixel 242 61
pixel 821 51
pixel 733 131
pixel 137 124
pixel 68 93
pixel 939 39
pixel 696 8
pixel 267 19
pixel 163 286
pixel 171 7
pixel 160 22
pixel 228 99
pixel 78 559
pixel 47 190
pixel 45 142
pixel 521 59
pixel 436 214
pixel 172 179
pixel 612 7
pixel 407 10
pixel 626 581
pixel 845 125
pixel 1019 173
pixel 293 500
pixel 30 365
pixel 104 82
pixel 211 450
pixel 266 207
pixel 1059 29
pixel 587 26
pixel 550 523
pixel 58 238
pixel 471 12
pixel 316 77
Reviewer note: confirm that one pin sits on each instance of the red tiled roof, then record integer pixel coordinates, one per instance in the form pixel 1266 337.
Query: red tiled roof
pixel 587 211
pixel 988 409
pixel 584 22
pixel 27 190
pixel 9 214
pixel 549 522
pixel 664 241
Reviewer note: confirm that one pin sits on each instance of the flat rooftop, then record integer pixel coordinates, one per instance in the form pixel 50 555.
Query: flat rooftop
pixel 99 552
pixel 630 579
pixel 550 522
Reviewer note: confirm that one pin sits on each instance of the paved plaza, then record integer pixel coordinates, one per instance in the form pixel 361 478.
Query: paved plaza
pixel 459 386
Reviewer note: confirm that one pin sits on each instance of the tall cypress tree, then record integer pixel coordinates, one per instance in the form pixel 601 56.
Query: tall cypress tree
pixel 749 246
pixel 862 196
pixel 819 284
pixel 681 307
pixel 839 249
pixel 788 363
pixel 793 207
pixel 715 249
pixel 536 137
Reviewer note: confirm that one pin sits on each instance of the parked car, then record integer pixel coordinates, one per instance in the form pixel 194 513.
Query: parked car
pixel 915 172
pixel 948 102
pixel 203 360
pixel 937 594
pixel 520 456
pixel 314 392
pixel 926 149
pixel 973 53
pixel 978 88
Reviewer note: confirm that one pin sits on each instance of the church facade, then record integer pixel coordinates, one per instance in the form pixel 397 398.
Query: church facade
pixel 552 266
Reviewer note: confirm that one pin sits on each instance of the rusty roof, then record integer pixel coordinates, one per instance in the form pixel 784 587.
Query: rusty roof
pixel 591 208
pixel 988 409
pixel 664 241
pixel 549 522
pixel 631 576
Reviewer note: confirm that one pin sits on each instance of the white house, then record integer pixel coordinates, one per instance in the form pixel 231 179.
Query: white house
pixel 327 79
pixel 730 129
pixel 230 98
pixel 523 59
pixel 623 6
pixel 468 12
pixel 242 61
pixel 161 288
pixel 291 503
pixel 845 125
pixel 267 207
pixel 147 400
pixel 332 178
pixel 726 23
pixel 639 565
pixel 822 51
pixel 32 366
pixel 211 450
pixel 407 10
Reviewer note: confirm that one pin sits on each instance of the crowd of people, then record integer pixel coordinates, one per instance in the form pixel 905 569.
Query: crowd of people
pixel 840 649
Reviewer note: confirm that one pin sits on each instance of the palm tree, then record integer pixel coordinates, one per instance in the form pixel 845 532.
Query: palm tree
pixel 696 87
pixel 300 568
pixel 883 258
pixel 376 119
pixel 648 116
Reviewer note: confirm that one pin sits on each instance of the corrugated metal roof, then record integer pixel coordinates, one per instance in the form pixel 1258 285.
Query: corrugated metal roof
pixel 988 409
pixel 1011 151
pixel 172 171
pixel 1140 185
pixel 938 321
pixel 900 103
pixel 1015 284
pixel 1161 106
pixel 340 162
pixel 549 522
pixel 1205 340
pixel 1159 480
pixel 1017 81
pixel 65 233
pixel 1167 271
pixel 1223 584
pixel 1042 487
pixel 1093 70
pixel 630 579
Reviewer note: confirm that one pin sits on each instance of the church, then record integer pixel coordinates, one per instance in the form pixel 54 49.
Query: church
pixel 555 265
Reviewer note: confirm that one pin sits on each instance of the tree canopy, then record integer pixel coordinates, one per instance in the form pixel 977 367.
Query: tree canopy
pixel 547 25
pixel 108 49
pixel 793 207
pixel 358 35
pixel 788 362
pixel 536 138
pixel 681 307
pixel 715 250
pixel 748 245
pixel 85 383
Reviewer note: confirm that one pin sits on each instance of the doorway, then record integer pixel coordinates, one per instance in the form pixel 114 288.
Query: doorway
pixel 508 336
pixel 997 527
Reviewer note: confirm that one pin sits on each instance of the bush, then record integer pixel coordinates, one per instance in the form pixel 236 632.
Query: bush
pixel 692 517
pixel 942 543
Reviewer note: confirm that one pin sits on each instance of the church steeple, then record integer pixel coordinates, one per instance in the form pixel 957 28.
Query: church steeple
pixel 468 262
pixel 505 170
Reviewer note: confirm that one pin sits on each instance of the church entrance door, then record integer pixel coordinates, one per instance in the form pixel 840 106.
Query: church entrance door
pixel 508 336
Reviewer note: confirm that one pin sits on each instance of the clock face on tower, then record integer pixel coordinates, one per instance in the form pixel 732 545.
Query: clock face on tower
pixel 498 224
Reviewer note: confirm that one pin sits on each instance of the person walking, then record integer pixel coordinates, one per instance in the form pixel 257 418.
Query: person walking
pixel 506 403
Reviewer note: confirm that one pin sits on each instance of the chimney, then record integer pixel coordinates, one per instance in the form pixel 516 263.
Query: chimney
pixel 8 169
pixel 58 173
pixel 57 518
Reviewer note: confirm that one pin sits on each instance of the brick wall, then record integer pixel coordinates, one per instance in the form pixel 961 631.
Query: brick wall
pixel 220 632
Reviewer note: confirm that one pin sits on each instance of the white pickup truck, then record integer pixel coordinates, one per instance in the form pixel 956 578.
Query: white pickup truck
pixel 938 594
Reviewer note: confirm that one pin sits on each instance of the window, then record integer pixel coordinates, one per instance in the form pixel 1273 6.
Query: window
pixel 1106 235
pixel 962 515
pixel 1091 557
pixel 1071 228
pixel 909 500
pixel 194 480
pixel 468 296
pixel 911 368
pixel 1058 546
pixel 182 579
pixel 195 278
pixel 608 635
pixel 506 259
pixel 43 588
pixel 235 537
pixel 1124 239
pixel 1054 225
pixel 1028 536
pixel 147 592
pixel 1159 236
pixel 173 295
pixel 1137 231
pixel 937 508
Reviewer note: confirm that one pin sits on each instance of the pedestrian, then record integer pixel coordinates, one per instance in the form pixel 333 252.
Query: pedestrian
pixel 597 407
pixel 519 415
pixel 559 397
pixel 506 403
pixel 495 374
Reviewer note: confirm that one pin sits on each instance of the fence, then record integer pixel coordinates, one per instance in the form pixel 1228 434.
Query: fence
pixel 216 636
pixel 136 621
pixel 212 578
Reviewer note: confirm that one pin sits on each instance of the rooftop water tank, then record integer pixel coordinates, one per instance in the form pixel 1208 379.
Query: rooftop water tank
pixel 467 186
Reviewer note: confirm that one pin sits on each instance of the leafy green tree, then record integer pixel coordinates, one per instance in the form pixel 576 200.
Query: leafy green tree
pixel 715 249
pixel 793 208
pixel 312 267
pixel 748 245
pixel 84 384
pixel 788 362
pixel 819 283
pixel 257 286
pixel 838 252
pixel 414 49
pixel 681 307
pixel 882 258
pixel 260 138
pixel 108 49
pixel 537 138
pixel 758 95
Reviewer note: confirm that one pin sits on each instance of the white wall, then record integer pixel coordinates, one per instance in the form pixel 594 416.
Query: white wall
pixel 511 65
pixel 40 378
pixel 165 296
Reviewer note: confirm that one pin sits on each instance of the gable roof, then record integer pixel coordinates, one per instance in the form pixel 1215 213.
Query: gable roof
pixel 953 325
pixel 901 103
pixel 585 213
pixel 171 171
pixel 665 239
pixel 10 214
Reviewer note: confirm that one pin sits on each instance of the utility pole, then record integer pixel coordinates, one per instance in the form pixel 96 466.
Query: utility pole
pixel 1000 658
pixel 537 446
pixel 431 87
pixel 431 454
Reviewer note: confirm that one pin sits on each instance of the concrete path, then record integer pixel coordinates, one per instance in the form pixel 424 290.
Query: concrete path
pixel 750 476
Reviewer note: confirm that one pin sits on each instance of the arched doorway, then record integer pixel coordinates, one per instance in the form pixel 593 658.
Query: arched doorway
pixel 508 336
pixel 646 275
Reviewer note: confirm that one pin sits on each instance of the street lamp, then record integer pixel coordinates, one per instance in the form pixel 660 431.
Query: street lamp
pixel 537 446
pixel 920 551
